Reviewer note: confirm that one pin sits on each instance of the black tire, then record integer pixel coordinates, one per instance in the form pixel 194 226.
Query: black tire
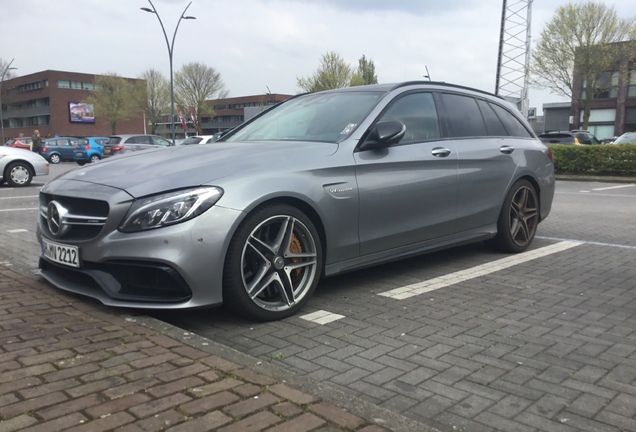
pixel 277 250
pixel 518 219
pixel 18 174
pixel 55 158
pixel 94 159
pixel 81 163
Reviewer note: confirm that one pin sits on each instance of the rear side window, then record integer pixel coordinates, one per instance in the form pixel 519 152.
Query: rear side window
pixel 464 116
pixel 512 123
pixel 418 113
pixel 493 124
pixel 557 138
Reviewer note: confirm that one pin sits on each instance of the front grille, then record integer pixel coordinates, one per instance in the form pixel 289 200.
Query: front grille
pixel 85 216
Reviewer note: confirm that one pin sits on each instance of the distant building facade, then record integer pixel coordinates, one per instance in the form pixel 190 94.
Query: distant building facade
pixel 52 102
pixel 228 113
pixel 613 109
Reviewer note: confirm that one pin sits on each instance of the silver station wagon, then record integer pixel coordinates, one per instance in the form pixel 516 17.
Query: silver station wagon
pixel 318 185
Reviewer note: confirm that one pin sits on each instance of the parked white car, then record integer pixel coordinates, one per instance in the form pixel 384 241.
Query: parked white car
pixel 19 166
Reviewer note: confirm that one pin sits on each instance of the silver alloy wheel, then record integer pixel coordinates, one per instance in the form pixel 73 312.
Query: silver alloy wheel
pixel 55 158
pixel 279 263
pixel 94 159
pixel 524 215
pixel 20 175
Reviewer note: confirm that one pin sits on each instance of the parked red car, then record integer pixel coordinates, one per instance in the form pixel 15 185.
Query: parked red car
pixel 23 143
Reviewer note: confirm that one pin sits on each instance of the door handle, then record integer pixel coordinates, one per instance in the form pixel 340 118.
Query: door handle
pixel 506 149
pixel 440 152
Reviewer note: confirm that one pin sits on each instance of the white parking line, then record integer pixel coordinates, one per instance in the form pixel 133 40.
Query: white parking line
pixel 588 242
pixel 471 273
pixel 19 197
pixel 614 187
pixel 19 230
pixel 322 317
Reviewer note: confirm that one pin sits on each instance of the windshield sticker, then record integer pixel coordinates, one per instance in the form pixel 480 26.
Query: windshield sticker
pixel 347 130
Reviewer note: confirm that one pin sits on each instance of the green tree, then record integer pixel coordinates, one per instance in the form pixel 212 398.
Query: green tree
pixel 366 72
pixel 194 84
pixel 115 98
pixel 578 45
pixel 332 73
pixel 157 97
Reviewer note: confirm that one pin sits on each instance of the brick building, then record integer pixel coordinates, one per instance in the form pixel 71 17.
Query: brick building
pixel 228 113
pixel 51 101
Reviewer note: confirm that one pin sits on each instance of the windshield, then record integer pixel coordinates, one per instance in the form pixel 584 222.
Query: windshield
pixel 326 117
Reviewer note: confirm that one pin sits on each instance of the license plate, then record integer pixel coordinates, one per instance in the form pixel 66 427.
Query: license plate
pixel 106 151
pixel 61 254
pixel 79 154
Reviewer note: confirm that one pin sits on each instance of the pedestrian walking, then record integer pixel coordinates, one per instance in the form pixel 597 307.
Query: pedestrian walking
pixel 36 141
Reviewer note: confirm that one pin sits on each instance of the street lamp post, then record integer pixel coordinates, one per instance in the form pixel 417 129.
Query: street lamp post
pixel 170 52
pixel 4 72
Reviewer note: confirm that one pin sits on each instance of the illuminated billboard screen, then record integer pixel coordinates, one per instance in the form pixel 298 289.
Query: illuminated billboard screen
pixel 81 112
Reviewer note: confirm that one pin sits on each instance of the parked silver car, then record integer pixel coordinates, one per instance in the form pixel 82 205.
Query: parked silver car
pixel 120 144
pixel 19 166
pixel 321 184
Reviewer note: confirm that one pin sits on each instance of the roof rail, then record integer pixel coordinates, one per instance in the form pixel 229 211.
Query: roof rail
pixel 442 83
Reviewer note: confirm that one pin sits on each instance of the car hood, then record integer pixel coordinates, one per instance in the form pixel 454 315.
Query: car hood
pixel 152 171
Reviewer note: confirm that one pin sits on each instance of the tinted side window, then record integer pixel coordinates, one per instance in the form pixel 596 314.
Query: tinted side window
pixel 493 124
pixel 512 124
pixel 418 113
pixel 464 116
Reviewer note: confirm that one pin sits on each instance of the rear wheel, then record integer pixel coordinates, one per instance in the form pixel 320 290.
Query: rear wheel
pixel 80 163
pixel 94 159
pixel 18 174
pixel 518 220
pixel 54 158
pixel 273 264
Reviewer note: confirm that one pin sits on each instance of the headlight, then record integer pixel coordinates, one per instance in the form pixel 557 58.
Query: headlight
pixel 170 208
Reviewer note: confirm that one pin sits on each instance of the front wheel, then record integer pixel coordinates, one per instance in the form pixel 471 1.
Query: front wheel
pixel 273 264
pixel 55 159
pixel 18 174
pixel 518 219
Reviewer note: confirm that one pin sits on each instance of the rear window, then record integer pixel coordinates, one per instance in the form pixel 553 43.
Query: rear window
pixel 114 140
pixel 557 138
pixel 191 140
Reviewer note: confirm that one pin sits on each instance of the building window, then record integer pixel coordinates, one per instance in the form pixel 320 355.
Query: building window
pixel 63 84
pixel 631 90
pixel 606 87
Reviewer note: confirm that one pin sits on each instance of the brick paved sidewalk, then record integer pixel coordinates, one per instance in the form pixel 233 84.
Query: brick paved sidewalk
pixel 70 365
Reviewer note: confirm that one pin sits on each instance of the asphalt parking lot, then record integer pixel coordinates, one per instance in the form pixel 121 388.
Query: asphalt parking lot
pixel 465 339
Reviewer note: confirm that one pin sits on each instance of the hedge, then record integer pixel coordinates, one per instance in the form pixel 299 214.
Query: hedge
pixel 609 159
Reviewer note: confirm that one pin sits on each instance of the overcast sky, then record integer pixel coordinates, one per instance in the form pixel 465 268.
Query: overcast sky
pixel 261 44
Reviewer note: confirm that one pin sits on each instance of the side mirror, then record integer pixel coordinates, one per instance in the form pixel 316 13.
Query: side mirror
pixel 384 134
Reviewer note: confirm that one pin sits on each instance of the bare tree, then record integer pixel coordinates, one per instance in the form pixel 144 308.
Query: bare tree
pixel 578 45
pixel 194 84
pixel 115 98
pixel 9 72
pixel 157 96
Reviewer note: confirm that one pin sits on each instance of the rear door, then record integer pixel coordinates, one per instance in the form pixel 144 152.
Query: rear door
pixel 488 156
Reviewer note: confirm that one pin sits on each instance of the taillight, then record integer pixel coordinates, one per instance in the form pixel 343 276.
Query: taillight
pixel 117 148
pixel 576 141
pixel 44 149
pixel 549 154
pixel 88 147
